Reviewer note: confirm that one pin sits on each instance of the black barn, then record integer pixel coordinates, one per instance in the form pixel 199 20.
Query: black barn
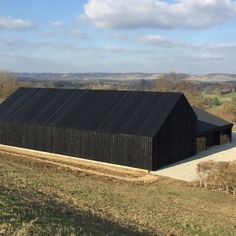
pixel 146 130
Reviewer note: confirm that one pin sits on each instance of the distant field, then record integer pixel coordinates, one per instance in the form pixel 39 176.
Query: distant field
pixel 220 110
pixel 38 198
pixel 212 78
pixel 221 97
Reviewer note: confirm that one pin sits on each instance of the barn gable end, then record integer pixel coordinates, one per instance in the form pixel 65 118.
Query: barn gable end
pixel 176 139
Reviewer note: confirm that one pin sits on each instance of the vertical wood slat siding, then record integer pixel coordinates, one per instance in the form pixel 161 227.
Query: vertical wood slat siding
pixel 133 151
pixel 213 138
pixel 176 140
pixel 228 131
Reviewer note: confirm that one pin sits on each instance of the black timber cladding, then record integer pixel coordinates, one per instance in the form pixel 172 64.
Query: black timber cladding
pixel 121 127
pixel 134 151
pixel 176 140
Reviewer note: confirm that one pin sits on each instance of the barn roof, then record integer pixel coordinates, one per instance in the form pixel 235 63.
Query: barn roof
pixel 208 122
pixel 124 112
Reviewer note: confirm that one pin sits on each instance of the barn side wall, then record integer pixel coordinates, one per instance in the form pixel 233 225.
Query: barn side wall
pixel 176 139
pixel 125 150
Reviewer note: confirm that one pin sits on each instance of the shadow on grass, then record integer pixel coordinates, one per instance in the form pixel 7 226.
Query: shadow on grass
pixel 34 213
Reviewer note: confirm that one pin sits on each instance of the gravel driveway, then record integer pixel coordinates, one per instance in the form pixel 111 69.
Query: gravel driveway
pixel 187 169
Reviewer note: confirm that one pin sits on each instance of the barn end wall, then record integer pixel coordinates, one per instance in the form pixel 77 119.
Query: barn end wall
pixel 176 139
pixel 133 151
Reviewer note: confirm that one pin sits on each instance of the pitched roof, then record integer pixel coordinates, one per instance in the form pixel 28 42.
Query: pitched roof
pixel 124 112
pixel 207 121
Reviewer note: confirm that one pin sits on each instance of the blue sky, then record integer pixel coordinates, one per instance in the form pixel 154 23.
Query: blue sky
pixel 190 36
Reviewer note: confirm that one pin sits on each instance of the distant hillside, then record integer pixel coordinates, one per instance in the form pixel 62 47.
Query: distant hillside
pixel 209 78
pixel 86 76
pixel 213 78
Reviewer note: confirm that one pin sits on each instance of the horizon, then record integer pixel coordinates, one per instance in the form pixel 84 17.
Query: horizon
pixel 134 72
pixel 98 36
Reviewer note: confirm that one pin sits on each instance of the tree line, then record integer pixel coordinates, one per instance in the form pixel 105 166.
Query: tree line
pixel 163 83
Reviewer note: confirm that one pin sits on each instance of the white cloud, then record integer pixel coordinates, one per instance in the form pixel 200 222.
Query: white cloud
pixel 11 23
pixel 155 39
pixel 221 46
pixel 159 13
pixel 58 24
pixel 210 56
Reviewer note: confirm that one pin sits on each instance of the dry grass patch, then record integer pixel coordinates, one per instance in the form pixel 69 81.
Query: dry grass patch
pixel 48 199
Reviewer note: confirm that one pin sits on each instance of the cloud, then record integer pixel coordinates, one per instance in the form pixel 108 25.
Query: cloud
pixel 20 44
pixel 80 34
pixel 11 23
pixel 58 24
pixel 16 45
pixel 155 39
pixel 221 46
pixel 158 40
pixel 119 36
pixel 210 56
pixel 20 63
pixel 81 18
pixel 187 14
pixel 49 33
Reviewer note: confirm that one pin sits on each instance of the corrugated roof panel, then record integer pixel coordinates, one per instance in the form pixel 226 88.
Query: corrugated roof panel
pixel 207 121
pixel 125 112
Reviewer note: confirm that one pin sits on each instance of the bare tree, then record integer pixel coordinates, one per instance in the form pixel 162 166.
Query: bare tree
pixel 8 84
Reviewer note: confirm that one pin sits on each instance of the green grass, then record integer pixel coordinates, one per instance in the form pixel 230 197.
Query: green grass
pixel 221 97
pixel 42 199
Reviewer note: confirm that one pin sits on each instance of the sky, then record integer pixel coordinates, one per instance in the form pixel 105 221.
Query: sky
pixel 157 36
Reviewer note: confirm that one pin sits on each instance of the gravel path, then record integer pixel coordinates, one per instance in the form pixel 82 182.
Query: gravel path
pixel 187 169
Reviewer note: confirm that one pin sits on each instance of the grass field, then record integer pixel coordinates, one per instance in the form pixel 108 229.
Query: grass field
pixel 38 198
pixel 225 109
pixel 221 97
